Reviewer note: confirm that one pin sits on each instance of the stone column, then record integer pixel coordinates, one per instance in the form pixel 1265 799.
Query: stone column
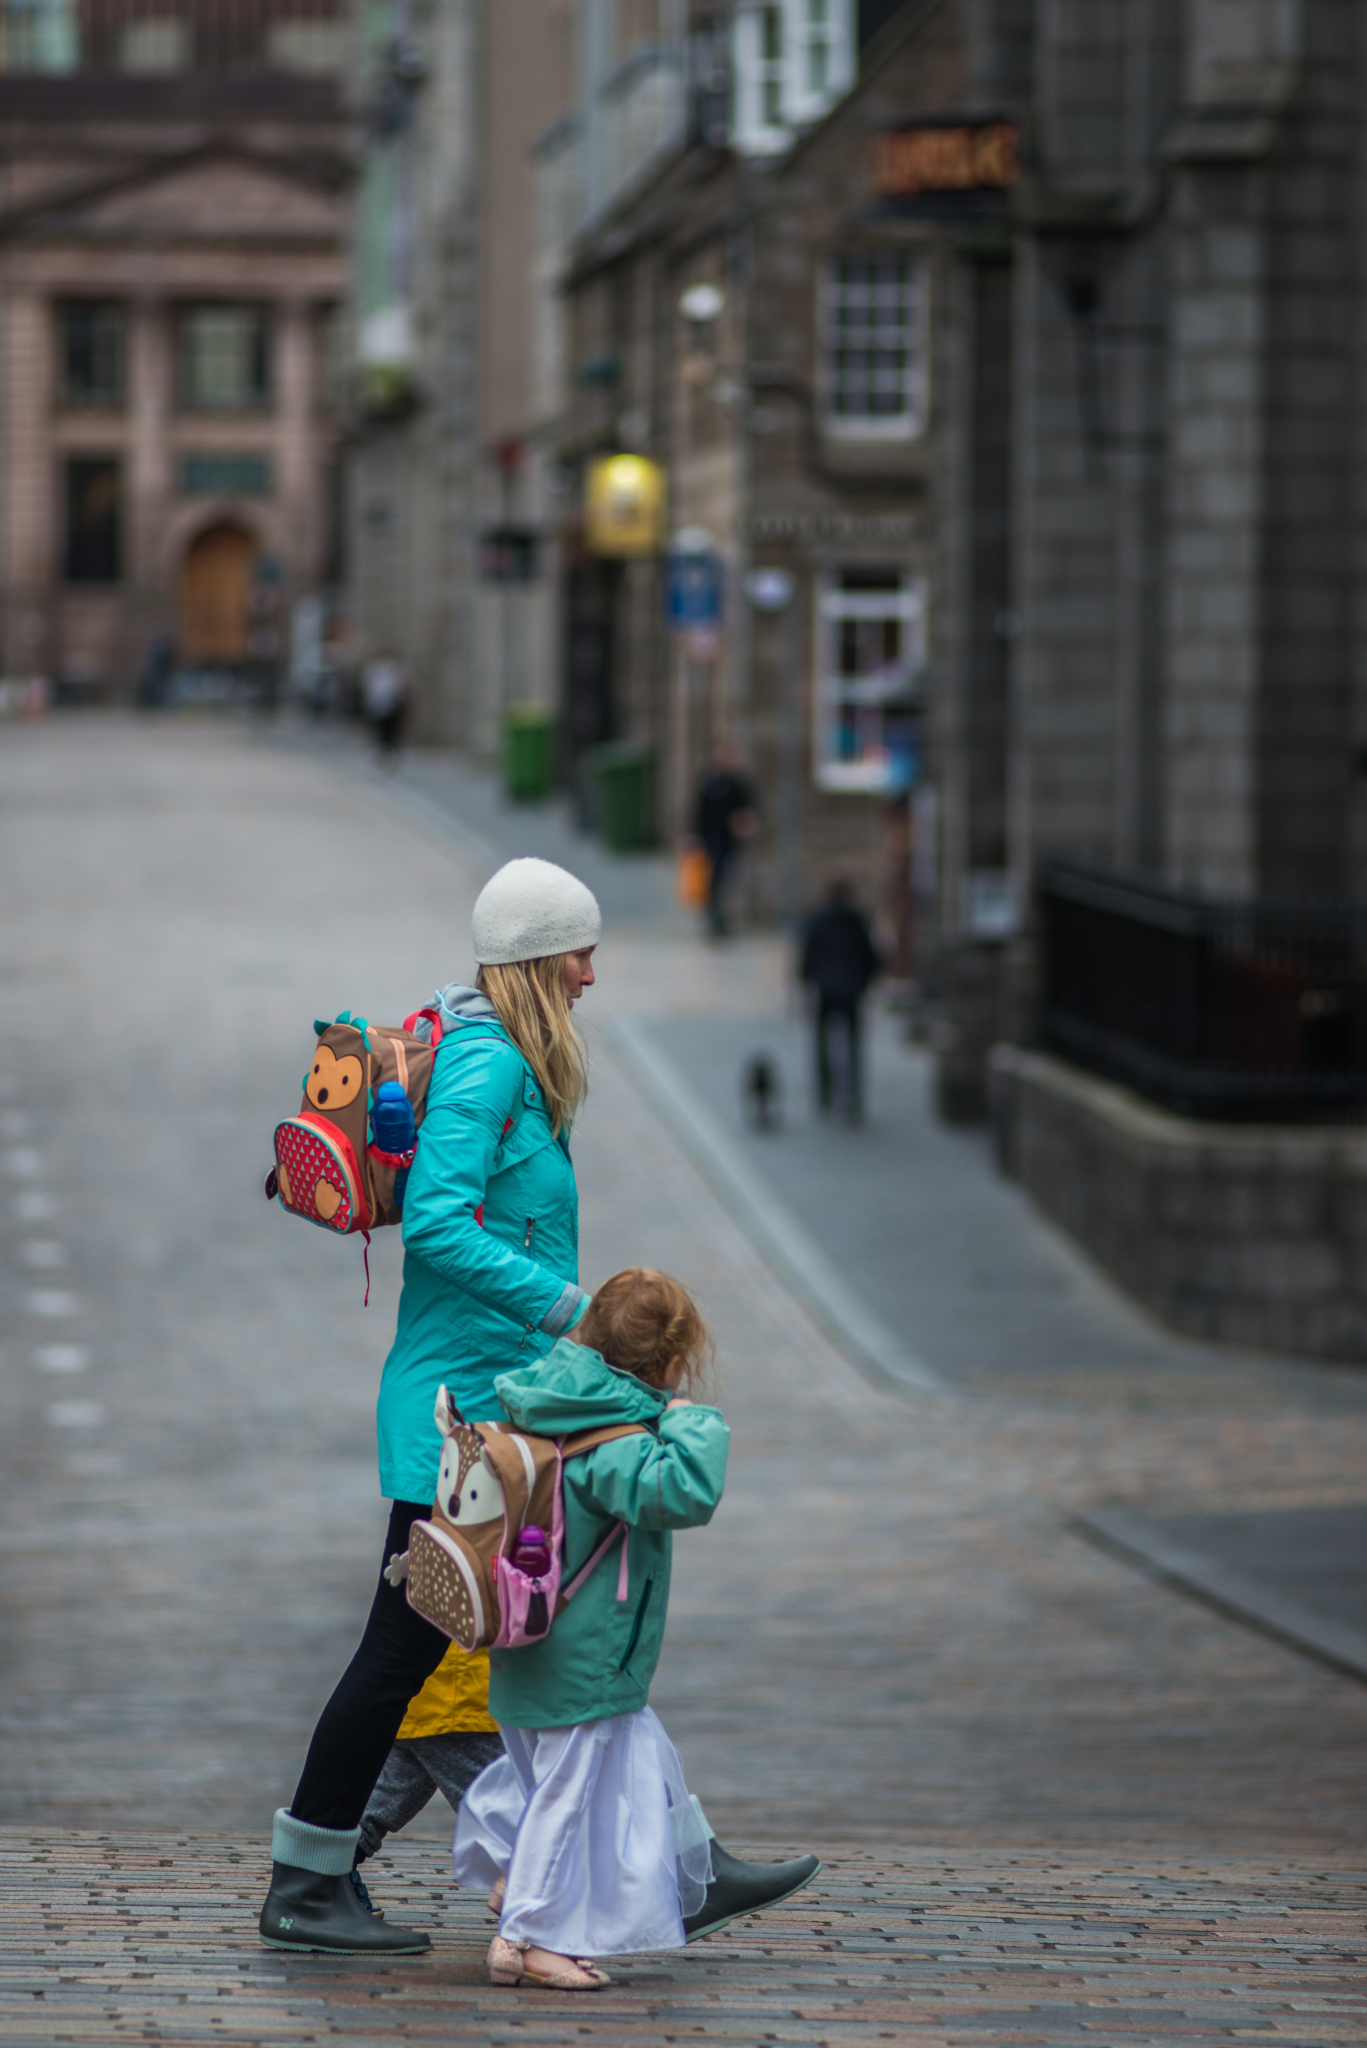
pixel 296 485
pixel 32 507
pixel 1213 626
pixel 149 485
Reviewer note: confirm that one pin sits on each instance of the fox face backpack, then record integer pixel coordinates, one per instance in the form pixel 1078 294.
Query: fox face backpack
pixel 470 1568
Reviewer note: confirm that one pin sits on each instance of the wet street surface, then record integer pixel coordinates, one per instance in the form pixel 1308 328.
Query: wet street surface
pixel 1060 1799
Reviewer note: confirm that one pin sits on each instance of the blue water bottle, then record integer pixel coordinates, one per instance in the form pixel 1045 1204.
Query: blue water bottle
pixel 393 1129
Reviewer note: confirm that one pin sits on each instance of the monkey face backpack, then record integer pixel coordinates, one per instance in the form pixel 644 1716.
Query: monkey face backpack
pixel 342 1162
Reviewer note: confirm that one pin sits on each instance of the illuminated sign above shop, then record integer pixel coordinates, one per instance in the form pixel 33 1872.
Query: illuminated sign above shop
pixel 969 157
pixel 624 506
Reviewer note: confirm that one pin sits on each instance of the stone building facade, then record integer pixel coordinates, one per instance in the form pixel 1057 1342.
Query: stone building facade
pixel 1172 352
pixel 172 261
pixel 754 320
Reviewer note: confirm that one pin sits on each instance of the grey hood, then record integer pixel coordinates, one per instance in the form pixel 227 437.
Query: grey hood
pixel 458 1004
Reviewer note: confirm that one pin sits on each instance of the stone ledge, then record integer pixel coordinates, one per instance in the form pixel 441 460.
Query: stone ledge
pixel 1250 1234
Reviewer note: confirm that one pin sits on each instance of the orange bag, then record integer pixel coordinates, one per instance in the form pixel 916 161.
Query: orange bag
pixel 694 878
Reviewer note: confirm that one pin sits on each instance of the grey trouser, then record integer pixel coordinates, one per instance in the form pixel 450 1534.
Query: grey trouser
pixel 413 1772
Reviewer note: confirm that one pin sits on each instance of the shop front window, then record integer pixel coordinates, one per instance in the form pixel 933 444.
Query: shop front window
pixel 871 654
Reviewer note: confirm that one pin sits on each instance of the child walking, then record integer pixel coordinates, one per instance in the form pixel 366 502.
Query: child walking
pixel 587 1816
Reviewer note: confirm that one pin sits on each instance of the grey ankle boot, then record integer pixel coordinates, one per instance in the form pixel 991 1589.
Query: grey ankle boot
pixel 312 1903
pixel 738 1888
pixel 306 1910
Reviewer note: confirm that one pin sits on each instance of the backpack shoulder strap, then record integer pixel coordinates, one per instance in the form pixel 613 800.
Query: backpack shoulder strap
pixel 589 1439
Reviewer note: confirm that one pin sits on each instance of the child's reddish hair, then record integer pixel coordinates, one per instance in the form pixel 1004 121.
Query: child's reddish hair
pixel 644 1322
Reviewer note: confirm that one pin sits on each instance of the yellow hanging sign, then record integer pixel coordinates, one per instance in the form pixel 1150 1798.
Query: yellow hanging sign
pixel 624 506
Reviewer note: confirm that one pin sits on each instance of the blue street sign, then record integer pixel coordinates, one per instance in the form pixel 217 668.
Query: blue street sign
pixel 694 589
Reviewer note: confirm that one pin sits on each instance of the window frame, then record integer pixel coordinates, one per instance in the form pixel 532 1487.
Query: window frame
pixel 752 71
pixel 874 773
pixel 803 101
pixel 260 401
pixel 800 103
pixel 68 399
pixel 912 423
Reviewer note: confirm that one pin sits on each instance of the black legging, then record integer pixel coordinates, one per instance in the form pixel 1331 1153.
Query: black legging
pixel 398 1654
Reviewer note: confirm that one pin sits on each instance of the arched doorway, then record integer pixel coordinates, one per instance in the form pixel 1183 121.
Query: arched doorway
pixel 215 595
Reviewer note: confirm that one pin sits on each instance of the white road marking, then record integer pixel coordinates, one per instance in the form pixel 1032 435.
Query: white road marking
pixel 42 1252
pixel 61 1358
pixel 33 1206
pixel 21 1164
pixel 75 1414
pixel 47 1301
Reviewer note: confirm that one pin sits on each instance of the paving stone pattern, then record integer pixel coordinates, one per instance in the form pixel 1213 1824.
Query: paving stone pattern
pixel 145 1938
pixel 889 1646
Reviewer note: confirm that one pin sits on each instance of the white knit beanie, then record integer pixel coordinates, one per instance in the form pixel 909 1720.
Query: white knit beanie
pixel 530 910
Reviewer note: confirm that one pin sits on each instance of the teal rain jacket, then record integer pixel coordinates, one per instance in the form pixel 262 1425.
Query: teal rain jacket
pixel 600 1656
pixel 491 1242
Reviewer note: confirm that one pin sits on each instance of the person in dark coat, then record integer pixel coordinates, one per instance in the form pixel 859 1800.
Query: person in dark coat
pixel 724 818
pixel 839 960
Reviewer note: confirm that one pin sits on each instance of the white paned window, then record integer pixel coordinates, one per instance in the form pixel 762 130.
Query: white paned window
pixel 757 114
pixel 821 56
pixel 791 60
pixel 870 679
pixel 874 347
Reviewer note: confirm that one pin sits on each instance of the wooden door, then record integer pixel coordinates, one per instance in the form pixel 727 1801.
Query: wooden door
pixel 215 596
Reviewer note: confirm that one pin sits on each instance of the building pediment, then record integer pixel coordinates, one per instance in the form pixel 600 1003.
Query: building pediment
pixel 213 194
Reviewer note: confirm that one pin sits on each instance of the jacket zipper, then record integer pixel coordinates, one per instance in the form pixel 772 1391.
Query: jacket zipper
pixel 527 1240
pixel 637 1623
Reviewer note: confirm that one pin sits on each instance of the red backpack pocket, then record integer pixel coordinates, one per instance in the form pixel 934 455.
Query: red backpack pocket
pixel 317 1176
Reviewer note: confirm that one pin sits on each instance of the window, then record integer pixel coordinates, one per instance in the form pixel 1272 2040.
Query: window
pixel 225 476
pixel 224 358
pixel 93 550
pixel 38 35
pixel 871 642
pixel 790 61
pixel 152 46
pixel 758 118
pixel 91 345
pixel 873 331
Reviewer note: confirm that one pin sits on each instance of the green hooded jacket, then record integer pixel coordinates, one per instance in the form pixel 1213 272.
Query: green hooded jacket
pixel 600 1656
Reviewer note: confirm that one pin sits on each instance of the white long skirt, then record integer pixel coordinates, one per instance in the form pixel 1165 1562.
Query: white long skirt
pixel 593 1827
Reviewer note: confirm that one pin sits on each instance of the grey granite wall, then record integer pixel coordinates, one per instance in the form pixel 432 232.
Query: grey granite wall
pixel 1254 1235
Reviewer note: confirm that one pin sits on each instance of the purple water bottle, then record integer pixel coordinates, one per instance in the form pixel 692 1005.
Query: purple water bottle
pixel 532 1554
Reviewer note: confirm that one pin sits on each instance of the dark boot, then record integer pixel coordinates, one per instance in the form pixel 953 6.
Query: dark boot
pixel 738 1888
pixel 324 1914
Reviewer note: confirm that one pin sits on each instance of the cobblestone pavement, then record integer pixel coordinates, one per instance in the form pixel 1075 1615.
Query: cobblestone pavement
pixel 146 1938
pixel 890 1645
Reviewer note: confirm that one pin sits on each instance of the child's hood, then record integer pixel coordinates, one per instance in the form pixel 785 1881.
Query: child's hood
pixel 573 1388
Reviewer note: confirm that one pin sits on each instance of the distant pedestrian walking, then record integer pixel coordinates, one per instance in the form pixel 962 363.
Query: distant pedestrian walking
pixel 725 818
pixel 839 960
pixel 382 700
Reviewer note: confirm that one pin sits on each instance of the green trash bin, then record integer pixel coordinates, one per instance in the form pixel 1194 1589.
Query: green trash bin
pixel 625 773
pixel 528 753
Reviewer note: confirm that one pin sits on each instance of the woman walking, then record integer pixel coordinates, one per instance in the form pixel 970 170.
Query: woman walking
pixel 490 1233
pixel 491 1264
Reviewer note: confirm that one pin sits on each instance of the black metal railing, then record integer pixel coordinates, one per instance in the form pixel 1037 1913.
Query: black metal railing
pixel 1244 1011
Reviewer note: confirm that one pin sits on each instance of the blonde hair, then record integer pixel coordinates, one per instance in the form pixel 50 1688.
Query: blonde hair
pixel 644 1322
pixel 533 1007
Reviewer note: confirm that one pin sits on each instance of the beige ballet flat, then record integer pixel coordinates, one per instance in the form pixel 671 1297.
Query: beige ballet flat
pixel 508 1964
